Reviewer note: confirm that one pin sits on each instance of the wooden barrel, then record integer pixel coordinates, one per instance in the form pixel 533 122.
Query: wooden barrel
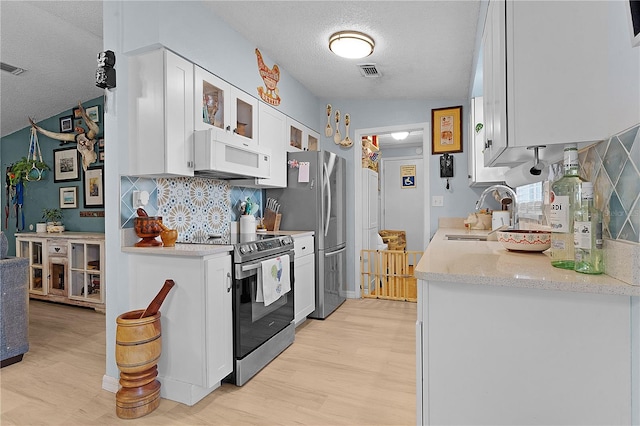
pixel 138 341
pixel 138 349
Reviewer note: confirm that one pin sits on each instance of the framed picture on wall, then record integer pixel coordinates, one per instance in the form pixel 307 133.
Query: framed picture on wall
pixel 93 114
pixel 94 187
pixel 69 197
pixel 66 164
pixel 66 124
pixel 446 135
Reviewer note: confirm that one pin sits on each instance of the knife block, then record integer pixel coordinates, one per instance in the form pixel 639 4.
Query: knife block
pixel 272 220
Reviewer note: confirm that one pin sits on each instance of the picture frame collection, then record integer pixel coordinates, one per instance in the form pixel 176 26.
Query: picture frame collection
pixel 67 165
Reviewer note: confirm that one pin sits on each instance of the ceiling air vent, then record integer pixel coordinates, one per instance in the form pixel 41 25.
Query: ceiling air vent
pixel 10 68
pixel 369 70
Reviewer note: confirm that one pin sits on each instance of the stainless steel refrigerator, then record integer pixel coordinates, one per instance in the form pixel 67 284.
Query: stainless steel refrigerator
pixel 317 202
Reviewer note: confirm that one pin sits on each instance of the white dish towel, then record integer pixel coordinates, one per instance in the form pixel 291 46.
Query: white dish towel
pixel 274 279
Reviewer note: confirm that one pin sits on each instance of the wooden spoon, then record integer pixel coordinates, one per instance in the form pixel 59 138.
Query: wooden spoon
pixel 337 138
pixel 154 306
pixel 347 140
pixel 328 131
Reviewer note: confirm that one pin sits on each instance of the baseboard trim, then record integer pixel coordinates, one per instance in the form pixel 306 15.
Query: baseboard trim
pixel 110 384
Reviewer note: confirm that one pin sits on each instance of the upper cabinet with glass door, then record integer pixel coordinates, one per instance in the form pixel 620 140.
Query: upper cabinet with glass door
pixel 301 138
pixel 232 113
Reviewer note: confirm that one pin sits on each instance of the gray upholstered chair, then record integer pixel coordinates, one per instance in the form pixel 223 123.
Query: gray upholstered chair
pixel 14 310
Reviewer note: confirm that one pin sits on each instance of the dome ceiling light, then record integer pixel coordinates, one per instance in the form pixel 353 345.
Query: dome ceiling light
pixel 400 136
pixel 351 44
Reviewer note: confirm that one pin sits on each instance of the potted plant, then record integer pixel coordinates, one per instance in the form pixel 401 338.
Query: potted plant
pixel 25 170
pixel 53 218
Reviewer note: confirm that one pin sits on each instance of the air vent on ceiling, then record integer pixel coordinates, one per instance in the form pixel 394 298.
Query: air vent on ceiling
pixel 369 70
pixel 10 68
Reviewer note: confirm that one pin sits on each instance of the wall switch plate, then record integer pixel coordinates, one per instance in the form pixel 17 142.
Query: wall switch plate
pixel 437 201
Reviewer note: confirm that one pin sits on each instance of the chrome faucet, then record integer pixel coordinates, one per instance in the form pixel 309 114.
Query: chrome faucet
pixel 514 202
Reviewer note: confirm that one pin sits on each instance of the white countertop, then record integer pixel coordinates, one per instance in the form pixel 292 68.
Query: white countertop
pixel 191 250
pixel 65 234
pixel 201 249
pixel 489 263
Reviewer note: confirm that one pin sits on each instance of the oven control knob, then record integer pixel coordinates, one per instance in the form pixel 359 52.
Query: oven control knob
pixel 244 249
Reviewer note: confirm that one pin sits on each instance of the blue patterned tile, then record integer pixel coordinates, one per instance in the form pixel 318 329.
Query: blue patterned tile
pixel 628 137
pixel 628 185
pixel 617 216
pixel 614 159
pixel 628 233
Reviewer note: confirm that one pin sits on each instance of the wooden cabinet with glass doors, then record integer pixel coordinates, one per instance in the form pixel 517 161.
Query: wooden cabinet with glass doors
pixel 65 267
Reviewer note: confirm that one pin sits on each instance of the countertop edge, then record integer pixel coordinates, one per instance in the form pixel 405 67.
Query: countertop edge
pixel 189 250
pixel 548 277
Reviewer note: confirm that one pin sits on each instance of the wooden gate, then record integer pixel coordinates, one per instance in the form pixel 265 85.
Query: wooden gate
pixel 388 274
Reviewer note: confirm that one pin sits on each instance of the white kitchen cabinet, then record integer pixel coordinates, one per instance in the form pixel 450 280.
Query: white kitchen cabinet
pixel 478 174
pixel 301 137
pixel 196 319
pixel 218 105
pixel 304 296
pixel 507 355
pixel 65 267
pixel 544 78
pixel 161 115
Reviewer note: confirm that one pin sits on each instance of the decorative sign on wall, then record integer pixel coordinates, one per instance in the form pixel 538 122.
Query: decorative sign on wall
pixel 270 76
pixel 447 130
pixel 408 176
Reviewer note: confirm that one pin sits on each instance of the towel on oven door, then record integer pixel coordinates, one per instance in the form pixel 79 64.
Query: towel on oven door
pixel 274 279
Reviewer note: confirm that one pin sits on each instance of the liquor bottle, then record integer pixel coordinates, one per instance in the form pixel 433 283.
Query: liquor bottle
pixel 588 234
pixel 564 200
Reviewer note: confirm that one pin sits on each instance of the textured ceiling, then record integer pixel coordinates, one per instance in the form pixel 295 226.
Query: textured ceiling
pixel 57 43
pixel 424 49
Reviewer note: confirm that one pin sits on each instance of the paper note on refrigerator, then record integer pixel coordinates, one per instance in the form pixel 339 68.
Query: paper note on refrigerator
pixel 303 171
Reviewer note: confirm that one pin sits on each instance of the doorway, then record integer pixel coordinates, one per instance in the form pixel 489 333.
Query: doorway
pixel 418 150
pixel 402 198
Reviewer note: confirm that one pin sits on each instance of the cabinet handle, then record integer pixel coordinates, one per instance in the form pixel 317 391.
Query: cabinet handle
pixel 235 130
pixel 228 128
pixel 228 282
pixel 488 143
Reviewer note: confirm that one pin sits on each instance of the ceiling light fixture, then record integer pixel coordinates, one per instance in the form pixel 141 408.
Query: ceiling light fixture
pixel 400 136
pixel 351 44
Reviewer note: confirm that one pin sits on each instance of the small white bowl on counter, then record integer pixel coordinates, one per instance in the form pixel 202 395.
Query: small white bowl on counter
pixel 525 240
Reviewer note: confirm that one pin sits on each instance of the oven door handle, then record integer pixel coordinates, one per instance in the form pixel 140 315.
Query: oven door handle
pixel 251 267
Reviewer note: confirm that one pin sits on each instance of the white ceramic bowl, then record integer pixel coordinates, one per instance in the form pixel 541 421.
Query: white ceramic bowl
pixel 525 240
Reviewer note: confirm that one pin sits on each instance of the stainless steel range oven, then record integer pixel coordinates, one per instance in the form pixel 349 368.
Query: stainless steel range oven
pixel 261 331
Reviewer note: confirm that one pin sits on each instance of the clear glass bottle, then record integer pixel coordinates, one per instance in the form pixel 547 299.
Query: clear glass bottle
pixel 589 258
pixel 564 200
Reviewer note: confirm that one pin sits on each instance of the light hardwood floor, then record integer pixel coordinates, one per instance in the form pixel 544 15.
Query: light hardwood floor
pixel 357 367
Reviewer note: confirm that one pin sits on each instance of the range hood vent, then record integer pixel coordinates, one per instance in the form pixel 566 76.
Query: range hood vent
pixel 369 70
pixel 10 68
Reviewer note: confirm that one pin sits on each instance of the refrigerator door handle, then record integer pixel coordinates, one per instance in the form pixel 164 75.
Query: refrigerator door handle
pixel 326 183
pixel 333 253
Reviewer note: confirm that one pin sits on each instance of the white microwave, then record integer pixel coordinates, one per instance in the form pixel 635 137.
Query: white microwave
pixel 227 160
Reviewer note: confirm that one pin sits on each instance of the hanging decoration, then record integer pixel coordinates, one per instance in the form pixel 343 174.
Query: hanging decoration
pixel 85 141
pixel 270 76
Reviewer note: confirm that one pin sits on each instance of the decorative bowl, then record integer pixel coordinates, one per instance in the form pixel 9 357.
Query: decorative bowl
pixel 148 228
pixel 525 240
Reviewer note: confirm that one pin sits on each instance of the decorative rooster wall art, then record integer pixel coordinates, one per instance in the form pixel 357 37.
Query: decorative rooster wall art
pixel 85 141
pixel 270 76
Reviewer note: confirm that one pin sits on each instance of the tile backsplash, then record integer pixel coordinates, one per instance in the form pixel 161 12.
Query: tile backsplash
pixel 196 207
pixel 614 168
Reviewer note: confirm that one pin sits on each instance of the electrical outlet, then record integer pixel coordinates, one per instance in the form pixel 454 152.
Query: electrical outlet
pixel 437 201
